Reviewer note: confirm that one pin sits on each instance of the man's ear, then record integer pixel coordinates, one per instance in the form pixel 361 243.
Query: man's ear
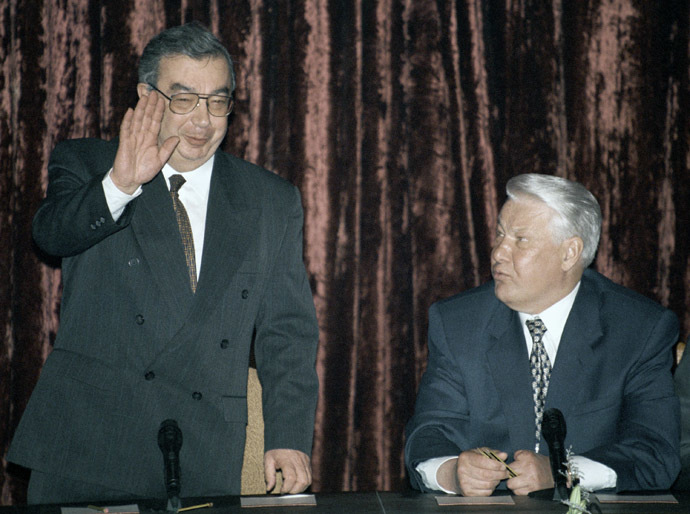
pixel 143 89
pixel 571 252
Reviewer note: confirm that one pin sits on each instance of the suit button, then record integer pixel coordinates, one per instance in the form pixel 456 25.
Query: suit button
pixel 93 227
pixel 245 294
pixel 224 344
pixel 197 395
pixel 140 319
pixel 150 375
pixel 133 262
pixel 102 220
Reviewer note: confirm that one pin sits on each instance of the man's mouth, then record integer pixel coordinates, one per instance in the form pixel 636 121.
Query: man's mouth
pixel 196 141
pixel 497 273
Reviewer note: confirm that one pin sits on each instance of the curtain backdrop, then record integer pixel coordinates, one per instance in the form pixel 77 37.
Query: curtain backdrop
pixel 400 121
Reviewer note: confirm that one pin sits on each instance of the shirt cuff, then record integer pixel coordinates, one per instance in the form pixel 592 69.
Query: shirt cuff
pixel 594 475
pixel 427 470
pixel 116 199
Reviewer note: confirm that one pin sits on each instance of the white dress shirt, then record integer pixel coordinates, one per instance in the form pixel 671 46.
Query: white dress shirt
pixel 594 474
pixel 193 195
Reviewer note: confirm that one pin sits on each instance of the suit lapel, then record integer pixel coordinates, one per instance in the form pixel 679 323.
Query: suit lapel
pixel 582 330
pixel 231 228
pixel 153 224
pixel 509 364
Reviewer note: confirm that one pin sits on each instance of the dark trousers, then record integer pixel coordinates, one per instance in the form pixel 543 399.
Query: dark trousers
pixel 48 488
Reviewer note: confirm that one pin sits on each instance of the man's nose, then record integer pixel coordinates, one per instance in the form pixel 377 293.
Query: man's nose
pixel 200 114
pixel 500 251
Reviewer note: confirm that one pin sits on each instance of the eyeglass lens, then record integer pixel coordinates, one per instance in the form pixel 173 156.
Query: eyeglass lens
pixel 183 103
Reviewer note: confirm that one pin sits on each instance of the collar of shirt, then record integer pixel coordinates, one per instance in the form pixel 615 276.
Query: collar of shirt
pixel 554 318
pixel 197 180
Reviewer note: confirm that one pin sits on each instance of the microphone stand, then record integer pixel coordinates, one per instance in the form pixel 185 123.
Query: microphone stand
pixel 173 504
pixel 560 482
pixel 554 431
pixel 170 442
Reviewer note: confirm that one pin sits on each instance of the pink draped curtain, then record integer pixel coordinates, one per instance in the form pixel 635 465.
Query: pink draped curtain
pixel 400 121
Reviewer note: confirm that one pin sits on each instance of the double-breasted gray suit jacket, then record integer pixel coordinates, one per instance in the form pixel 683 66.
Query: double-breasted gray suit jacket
pixel 136 346
pixel 611 379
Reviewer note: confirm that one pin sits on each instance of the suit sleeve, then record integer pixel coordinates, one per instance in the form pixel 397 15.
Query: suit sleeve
pixel 75 216
pixel 440 423
pixel 681 381
pixel 646 453
pixel 286 342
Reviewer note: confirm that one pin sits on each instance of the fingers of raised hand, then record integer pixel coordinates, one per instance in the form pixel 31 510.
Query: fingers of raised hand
pixel 148 115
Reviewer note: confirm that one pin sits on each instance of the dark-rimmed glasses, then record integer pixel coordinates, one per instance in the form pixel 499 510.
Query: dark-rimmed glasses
pixel 184 103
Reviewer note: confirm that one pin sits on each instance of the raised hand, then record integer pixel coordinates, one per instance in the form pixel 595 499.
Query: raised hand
pixel 139 157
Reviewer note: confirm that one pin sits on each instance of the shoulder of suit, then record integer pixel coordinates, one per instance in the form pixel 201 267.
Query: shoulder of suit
pixel 253 172
pixel 91 154
pixel 614 294
pixel 87 148
pixel 87 144
pixel 477 299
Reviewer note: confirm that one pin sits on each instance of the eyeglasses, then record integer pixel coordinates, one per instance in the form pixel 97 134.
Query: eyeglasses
pixel 184 103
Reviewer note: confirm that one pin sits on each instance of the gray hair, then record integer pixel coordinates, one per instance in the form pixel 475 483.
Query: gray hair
pixel 578 212
pixel 192 40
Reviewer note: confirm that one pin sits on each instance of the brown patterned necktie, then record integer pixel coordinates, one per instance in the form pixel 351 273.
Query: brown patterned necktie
pixel 176 182
pixel 540 366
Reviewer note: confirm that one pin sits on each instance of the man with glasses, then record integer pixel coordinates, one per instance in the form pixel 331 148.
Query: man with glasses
pixel 179 261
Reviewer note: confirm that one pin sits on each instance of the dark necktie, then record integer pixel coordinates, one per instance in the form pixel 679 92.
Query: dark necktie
pixel 541 372
pixel 176 182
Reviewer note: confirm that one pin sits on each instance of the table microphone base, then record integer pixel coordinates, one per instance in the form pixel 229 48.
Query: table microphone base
pixel 173 504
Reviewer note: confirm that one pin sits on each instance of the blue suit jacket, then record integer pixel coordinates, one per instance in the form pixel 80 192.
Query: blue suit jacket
pixel 611 379
pixel 136 346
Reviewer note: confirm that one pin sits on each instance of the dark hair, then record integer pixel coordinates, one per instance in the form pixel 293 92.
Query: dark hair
pixel 192 40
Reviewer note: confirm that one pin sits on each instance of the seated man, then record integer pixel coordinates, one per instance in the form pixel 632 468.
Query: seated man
pixel 546 333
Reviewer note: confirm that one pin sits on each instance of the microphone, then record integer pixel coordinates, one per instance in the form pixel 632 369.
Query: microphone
pixel 553 430
pixel 170 442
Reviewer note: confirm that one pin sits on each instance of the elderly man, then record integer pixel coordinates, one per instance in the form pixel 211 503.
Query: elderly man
pixel 177 258
pixel 546 332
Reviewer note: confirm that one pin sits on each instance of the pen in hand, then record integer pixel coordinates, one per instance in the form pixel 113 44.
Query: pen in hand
pixel 491 455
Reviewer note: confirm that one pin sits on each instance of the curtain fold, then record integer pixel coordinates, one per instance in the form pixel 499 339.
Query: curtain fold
pixel 400 121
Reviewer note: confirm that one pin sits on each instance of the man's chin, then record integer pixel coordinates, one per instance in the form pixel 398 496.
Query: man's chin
pixel 501 291
pixel 187 161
